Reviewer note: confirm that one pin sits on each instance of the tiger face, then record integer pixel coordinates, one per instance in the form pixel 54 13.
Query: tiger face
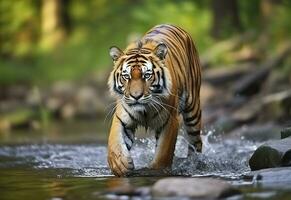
pixel 139 75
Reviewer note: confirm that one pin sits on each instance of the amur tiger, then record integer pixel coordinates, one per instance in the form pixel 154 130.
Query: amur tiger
pixel 155 81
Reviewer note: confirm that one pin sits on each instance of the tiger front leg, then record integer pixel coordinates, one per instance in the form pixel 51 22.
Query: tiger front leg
pixel 119 144
pixel 165 144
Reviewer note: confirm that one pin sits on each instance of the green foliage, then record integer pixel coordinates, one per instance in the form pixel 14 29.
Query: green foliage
pixel 95 25
pixel 249 14
pixel 19 24
pixel 182 13
pixel 280 26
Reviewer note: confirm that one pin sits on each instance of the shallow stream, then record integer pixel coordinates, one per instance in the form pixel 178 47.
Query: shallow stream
pixel 79 170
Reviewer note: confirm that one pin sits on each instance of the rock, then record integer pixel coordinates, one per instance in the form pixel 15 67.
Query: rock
pixel 280 176
pixel 125 190
pixel 272 154
pixel 192 187
pixel 286 133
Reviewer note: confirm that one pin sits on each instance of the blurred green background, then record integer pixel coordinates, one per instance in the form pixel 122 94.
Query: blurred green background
pixel 47 40
pixel 54 60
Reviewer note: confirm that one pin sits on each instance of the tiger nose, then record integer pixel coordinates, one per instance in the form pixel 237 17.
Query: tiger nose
pixel 136 95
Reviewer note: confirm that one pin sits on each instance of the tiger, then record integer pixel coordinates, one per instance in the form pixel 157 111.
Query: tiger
pixel 156 83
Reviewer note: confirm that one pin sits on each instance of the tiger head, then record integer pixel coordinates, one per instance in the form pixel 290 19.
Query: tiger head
pixel 140 76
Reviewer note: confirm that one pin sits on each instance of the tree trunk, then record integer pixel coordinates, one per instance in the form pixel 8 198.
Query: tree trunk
pixel 55 22
pixel 225 17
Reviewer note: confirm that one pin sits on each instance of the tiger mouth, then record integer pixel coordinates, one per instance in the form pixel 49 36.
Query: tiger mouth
pixel 136 104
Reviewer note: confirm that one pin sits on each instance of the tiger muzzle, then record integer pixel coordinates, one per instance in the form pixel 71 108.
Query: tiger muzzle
pixel 136 87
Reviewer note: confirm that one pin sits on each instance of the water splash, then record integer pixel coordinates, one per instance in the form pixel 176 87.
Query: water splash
pixel 226 158
pixel 220 157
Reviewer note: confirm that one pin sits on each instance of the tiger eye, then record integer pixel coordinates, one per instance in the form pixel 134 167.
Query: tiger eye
pixel 147 75
pixel 125 76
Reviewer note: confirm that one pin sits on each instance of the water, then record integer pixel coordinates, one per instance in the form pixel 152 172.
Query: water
pixel 80 171
pixel 89 160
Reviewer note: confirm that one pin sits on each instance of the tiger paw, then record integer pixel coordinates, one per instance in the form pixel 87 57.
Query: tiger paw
pixel 120 161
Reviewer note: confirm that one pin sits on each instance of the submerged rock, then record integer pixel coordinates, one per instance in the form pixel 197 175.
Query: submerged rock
pixel 127 190
pixel 192 187
pixel 286 133
pixel 272 154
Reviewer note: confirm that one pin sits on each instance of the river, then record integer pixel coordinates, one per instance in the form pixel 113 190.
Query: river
pixel 72 164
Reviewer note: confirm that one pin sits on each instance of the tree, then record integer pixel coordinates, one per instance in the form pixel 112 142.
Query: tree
pixel 225 17
pixel 55 22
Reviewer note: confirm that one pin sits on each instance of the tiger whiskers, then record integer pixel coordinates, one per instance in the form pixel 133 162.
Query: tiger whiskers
pixel 111 111
pixel 159 104
pixel 165 104
pixel 153 105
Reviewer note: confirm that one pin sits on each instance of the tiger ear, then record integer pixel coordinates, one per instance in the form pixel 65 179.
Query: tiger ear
pixel 161 51
pixel 115 53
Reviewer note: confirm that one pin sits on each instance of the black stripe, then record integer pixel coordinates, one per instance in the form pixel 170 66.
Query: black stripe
pixel 193 133
pixel 157 136
pixel 154 78
pixel 142 61
pixel 128 135
pixel 189 119
pixel 193 124
pixel 115 86
pixel 128 146
pixel 142 56
pixel 122 123
pixel 163 77
pixel 189 108
pixel 159 78
pixel 198 118
pixel 132 61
